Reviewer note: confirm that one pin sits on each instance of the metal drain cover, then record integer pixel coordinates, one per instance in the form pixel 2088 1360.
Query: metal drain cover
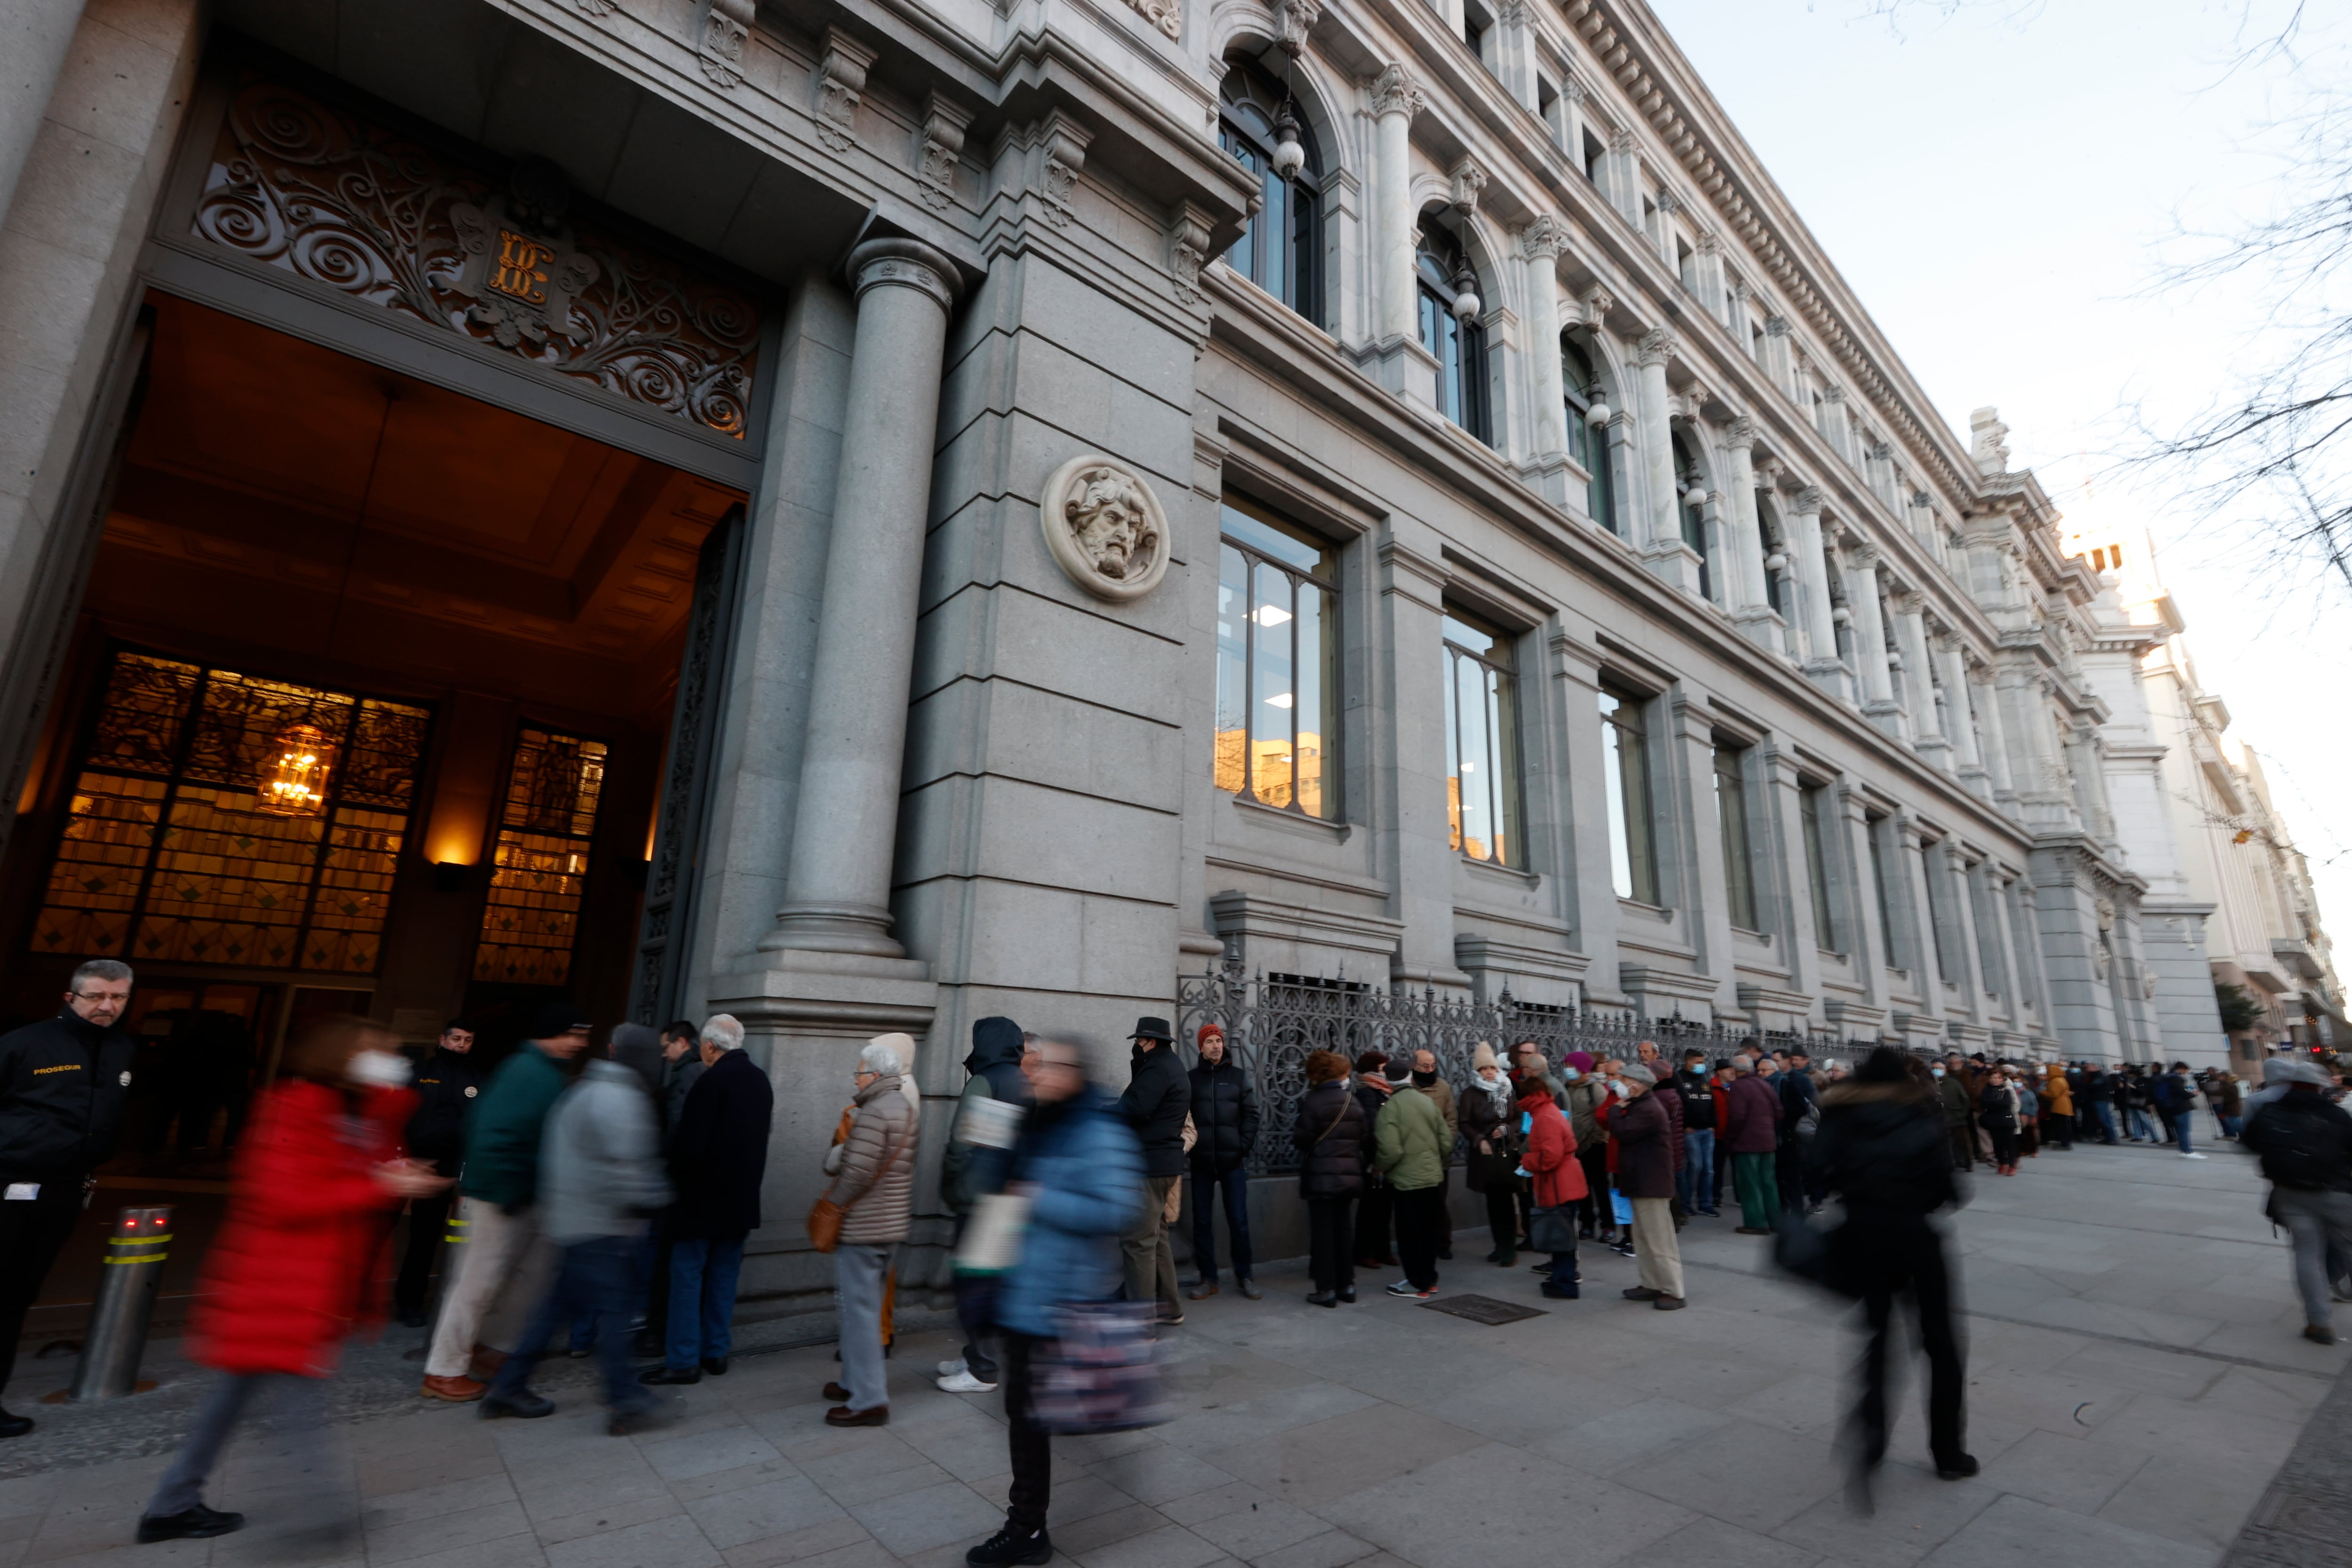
pixel 1484 1309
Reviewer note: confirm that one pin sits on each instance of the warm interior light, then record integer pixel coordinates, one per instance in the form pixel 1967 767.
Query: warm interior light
pixel 296 785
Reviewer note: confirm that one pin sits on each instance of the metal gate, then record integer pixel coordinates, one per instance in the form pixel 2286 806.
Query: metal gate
pixel 1273 1022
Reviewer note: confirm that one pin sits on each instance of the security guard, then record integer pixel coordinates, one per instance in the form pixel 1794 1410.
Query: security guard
pixel 62 1085
pixel 447 1084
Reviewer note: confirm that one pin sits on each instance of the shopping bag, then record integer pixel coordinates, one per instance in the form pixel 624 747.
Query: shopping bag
pixel 1551 1230
pixel 1100 1373
pixel 1623 1208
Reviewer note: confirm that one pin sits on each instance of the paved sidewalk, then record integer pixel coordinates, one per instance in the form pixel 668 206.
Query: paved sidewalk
pixel 2135 1381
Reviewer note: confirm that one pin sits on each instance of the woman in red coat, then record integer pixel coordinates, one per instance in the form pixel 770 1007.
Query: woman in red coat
pixel 293 1272
pixel 1550 1158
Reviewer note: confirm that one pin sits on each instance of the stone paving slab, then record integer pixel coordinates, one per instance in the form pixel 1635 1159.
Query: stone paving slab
pixel 2136 1383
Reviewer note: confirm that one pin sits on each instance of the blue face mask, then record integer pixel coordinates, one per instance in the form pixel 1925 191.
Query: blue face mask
pixel 1526 1122
pixel 1569 1075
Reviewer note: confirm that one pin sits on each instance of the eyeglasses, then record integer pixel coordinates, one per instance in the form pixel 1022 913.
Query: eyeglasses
pixel 100 995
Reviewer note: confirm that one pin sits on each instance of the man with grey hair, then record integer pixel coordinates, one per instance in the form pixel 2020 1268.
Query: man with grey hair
pixel 2304 1140
pixel 717 1155
pixel 63 1082
pixel 874 1189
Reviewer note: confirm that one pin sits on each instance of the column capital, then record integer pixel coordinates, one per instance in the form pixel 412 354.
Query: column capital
pixel 1807 498
pixel 1739 433
pixel 1544 240
pixel 906 264
pixel 1863 556
pixel 1658 346
pixel 1394 91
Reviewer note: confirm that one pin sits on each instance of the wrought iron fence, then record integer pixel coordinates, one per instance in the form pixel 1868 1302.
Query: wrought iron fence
pixel 1271 1023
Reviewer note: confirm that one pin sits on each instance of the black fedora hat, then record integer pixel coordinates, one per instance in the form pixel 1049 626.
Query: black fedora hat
pixel 1153 1029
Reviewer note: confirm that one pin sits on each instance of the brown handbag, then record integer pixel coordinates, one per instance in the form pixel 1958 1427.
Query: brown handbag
pixel 824 1224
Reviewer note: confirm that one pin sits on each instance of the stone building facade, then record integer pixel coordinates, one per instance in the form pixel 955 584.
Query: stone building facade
pixel 1375 491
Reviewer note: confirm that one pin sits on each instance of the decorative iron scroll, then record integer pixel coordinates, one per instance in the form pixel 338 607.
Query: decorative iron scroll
pixel 314 191
pixel 1273 1022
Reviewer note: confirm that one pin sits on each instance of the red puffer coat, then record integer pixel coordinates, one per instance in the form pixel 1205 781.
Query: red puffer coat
pixel 1550 1157
pixel 293 1271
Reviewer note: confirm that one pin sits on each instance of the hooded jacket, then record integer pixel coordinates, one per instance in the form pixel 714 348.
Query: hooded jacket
pixel 599 1171
pixel 2057 1095
pixel 968 1171
pixel 719 1151
pixel 63 1082
pixel 1883 1147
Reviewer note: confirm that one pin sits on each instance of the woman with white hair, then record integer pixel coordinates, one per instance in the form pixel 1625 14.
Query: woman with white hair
pixel 874 1193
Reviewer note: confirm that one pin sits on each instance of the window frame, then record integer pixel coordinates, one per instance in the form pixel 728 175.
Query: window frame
pixel 1248 88
pixel 1730 775
pixel 1324 578
pixel 1458 346
pixel 505 827
pixel 1506 802
pixel 1873 828
pixel 1812 799
pixel 1590 444
pixel 1633 820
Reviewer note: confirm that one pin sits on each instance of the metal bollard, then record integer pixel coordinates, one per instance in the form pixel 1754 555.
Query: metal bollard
pixel 127 1287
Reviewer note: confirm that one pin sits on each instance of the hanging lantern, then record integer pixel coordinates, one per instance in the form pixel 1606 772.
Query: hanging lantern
pixel 1598 414
pixel 1289 153
pixel 296 785
pixel 1466 294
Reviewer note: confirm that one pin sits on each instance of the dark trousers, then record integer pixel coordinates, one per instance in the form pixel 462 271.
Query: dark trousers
pixel 1964 1146
pixel 1420 1222
pixel 1373 1211
pixel 1234 1186
pixel 1330 1244
pixel 975 1305
pixel 1503 1219
pixel 1789 1172
pixel 1594 1208
pixel 2005 1146
pixel 595 1279
pixel 1902 1259
pixel 428 1222
pixel 32 1233
pixel 1033 1451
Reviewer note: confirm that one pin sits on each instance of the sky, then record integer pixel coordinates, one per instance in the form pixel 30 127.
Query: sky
pixel 2001 182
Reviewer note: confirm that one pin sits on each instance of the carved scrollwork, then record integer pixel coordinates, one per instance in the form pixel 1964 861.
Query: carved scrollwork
pixel 1105 528
pixel 301 186
pixel 1168 16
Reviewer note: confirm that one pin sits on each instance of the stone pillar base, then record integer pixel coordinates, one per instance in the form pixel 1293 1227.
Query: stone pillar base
pixel 1762 625
pixel 1404 367
pixel 1550 478
pixel 1833 677
pixel 1937 750
pixel 1675 562
pixel 1887 714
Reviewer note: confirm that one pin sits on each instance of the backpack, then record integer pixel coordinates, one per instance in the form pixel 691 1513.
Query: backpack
pixel 2304 1145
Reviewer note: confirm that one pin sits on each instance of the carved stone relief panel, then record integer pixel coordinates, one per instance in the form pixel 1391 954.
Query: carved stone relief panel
pixel 304 187
pixel 1168 16
pixel 1105 528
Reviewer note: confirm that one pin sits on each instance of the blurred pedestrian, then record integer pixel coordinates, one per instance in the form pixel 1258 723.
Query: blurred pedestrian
pixel 1333 1137
pixel 1157 1101
pixel 1885 1148
pixel 601 1183
pixel 1960 1110
pixel 2177 1095
pixel 507 1263
pixel 294 1268
pixel 682 1065
pixel 980 1146
pixel 1081 1175
pixel 2029 1113
pixel 875 1190
pixel 2305 1141
pixel 1224 1122
pixel 1752 1131
pixel 63 1084
pixel 447 1083
pixel 2057 1106
pixel 1646 1175
pixel 1800 1099
pixel 1548 1155
pixel 1410 1142
pixel 1490 1124
pixel 718 1158
pixel 1997 1114
pixel 2227 1095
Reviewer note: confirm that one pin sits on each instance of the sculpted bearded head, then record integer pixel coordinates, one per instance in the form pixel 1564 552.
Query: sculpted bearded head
pixel 1110 523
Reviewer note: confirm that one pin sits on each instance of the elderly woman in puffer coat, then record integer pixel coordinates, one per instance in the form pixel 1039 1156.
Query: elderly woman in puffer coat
pixel 875 1190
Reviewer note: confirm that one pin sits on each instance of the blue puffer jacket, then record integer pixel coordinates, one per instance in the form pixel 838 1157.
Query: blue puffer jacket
pixel 1089 1177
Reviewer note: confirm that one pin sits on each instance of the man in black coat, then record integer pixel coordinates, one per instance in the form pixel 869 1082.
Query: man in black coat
pixel 718 1154
pixel 63 1082
pixel 1225 1128
pixel 447 1084
pixel 1155 1105
pixel 2305 1139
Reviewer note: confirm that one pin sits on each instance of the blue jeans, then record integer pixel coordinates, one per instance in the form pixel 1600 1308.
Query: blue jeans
pixel 2136 1123
pixel 2180 1129
pixel 1235 1185
pixel 2106 1110
pixel 1563 1275
pixel 702 1275
pixel 1695 1184
pixel 596 1279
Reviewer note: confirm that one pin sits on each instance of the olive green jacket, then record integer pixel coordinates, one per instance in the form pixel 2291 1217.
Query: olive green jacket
pixel 1410 1141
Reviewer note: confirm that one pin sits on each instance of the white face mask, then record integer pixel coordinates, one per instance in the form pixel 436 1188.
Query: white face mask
pixel 379 1070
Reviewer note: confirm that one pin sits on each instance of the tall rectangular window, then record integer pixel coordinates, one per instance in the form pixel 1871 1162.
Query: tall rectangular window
pixel 175 848
pixel 1940 915
pixel 545 833
pixel 1731 812
pixel 1481 742
pixel 1813 802
pixel 1996 979
pixel 1876 829
pixel 1625 759
pixel 1277 647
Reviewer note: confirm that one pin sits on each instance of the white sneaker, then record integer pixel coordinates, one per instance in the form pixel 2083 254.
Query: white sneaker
pixel 2192 1156
pixel 949 1368
pixel 964 1383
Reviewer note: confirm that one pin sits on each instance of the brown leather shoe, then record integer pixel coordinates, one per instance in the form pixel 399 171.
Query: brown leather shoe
pixel 837 1393
pixel 1202 1291
pixel 843 1415
pixel 456 1390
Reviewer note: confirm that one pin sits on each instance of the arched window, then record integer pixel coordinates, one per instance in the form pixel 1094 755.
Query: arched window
pixel 1281 251
pixel 1775 548
pixel 1588 443
pixel 1460 346
pixel 1690 506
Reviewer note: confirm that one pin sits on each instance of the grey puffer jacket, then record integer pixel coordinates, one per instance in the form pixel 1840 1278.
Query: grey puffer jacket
pixel 875 1188
pixel 600 1169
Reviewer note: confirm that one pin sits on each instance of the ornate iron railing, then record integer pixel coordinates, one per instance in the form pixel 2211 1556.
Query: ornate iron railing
pixel 1272 1022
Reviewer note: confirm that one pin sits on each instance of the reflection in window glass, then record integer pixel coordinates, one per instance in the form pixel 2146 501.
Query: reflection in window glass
pixel 1878 885
pixel 1813 799
pixel 1731 813
pixel 1276 639
pixel 1482 771
pixel 531 918
pixel 1589 443
pixel 1625 760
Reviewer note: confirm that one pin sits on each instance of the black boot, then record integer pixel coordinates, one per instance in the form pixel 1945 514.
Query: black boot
pixel 198 1523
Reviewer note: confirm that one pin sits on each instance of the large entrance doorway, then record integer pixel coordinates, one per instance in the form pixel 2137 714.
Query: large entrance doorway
pixel 365 711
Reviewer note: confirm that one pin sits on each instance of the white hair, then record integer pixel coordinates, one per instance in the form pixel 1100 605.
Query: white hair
pixel 878 1058
pixel 721 1032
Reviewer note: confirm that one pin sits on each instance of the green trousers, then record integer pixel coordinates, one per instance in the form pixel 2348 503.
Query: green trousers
pixel 1759 1190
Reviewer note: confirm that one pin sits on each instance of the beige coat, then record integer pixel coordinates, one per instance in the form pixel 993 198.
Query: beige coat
pixel 875 1188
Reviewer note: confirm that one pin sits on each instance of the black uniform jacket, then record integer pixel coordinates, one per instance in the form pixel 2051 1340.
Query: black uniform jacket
pixel 62 1084
pixel 447 1087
